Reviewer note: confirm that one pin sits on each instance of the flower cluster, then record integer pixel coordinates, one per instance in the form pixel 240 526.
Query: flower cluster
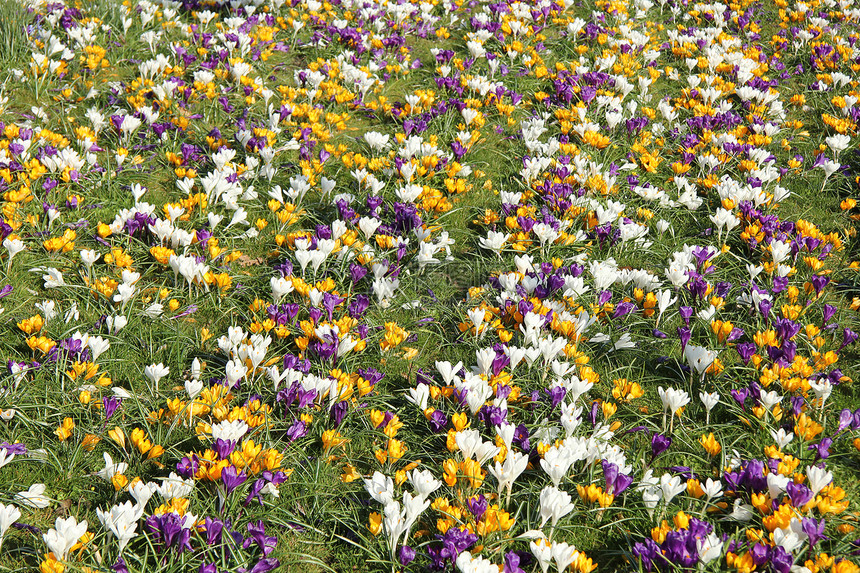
pixel 466 286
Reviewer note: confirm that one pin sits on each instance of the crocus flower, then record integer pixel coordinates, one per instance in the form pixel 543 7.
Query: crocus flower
pixel 814 529
pixel 8 515
pixel 231 478
pixel 64 534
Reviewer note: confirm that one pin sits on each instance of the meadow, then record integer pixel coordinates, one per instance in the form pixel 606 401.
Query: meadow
pixel 443 285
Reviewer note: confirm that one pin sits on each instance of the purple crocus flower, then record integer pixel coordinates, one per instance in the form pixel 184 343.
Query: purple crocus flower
pixel 257 534
pixel 13 448
pixel 797 405
pixel 686 312
pixel 256 488
pixel 592 416
pixel 760 554
pixel 406 555
pixel 169 532
pixel 338 412
pixel 785 328
pixel 735 334
pixel 647 552
pixel 370 374
pixel 616 482
pixel 835 376
pixel 779 284
pixel 846 417
pixel 814 529
pixel 500 362
pixel 751 478
pixel 623 309
pixel 232 479
pixel 659 444
pixel 746 350
pixel 521 438
pixel 110 404
pixel 781 560
pixel 492 416
pixel 822 449
pixel 741 396
pixel 684 334
pixel 684 471
pixel 764 307
pixel 680 548
pixel 187 467
pixel 478 506
pixel 453 542
pixel 438 420
pixel 512 563
pixel 191 309
pixel 297 430
pixel 798 493
pixel 214 530
pixel 224 448
pixel 848 337
pixel 829 311
pixel 305 397
pixel 819 282
pixel 329 303
pixel 556 395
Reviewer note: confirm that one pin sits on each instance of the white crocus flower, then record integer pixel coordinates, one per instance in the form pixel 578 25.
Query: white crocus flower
pixel 554 504
pixel 673 400
pixel 111 468
pixel 838 143
pixel 494 241
pixel 542 550
pixel 13 247
pixel 699 358
pixel 53 278
pixel 709 548
pixel 741 512
pixel 712 488
pixel 98 346
pixel 9 514
pixel 34 496
pixel 280 288
pixel 709 400
pixel 63 536
pixel 781 437
pixel 819 478
pixel 563 554
pixel 5 457
pixel 193 387
pixel 121 521
pixel 155 372
pixel 671 486
pixel 174 486
pixel 380 487
pixel 423 482
pixel 229 431
pixel 506 474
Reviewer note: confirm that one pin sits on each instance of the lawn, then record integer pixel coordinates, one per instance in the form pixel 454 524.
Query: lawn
pixel 429 286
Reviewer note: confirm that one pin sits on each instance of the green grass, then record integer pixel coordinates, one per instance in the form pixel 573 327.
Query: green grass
pixel 13 47
pixel 320 522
